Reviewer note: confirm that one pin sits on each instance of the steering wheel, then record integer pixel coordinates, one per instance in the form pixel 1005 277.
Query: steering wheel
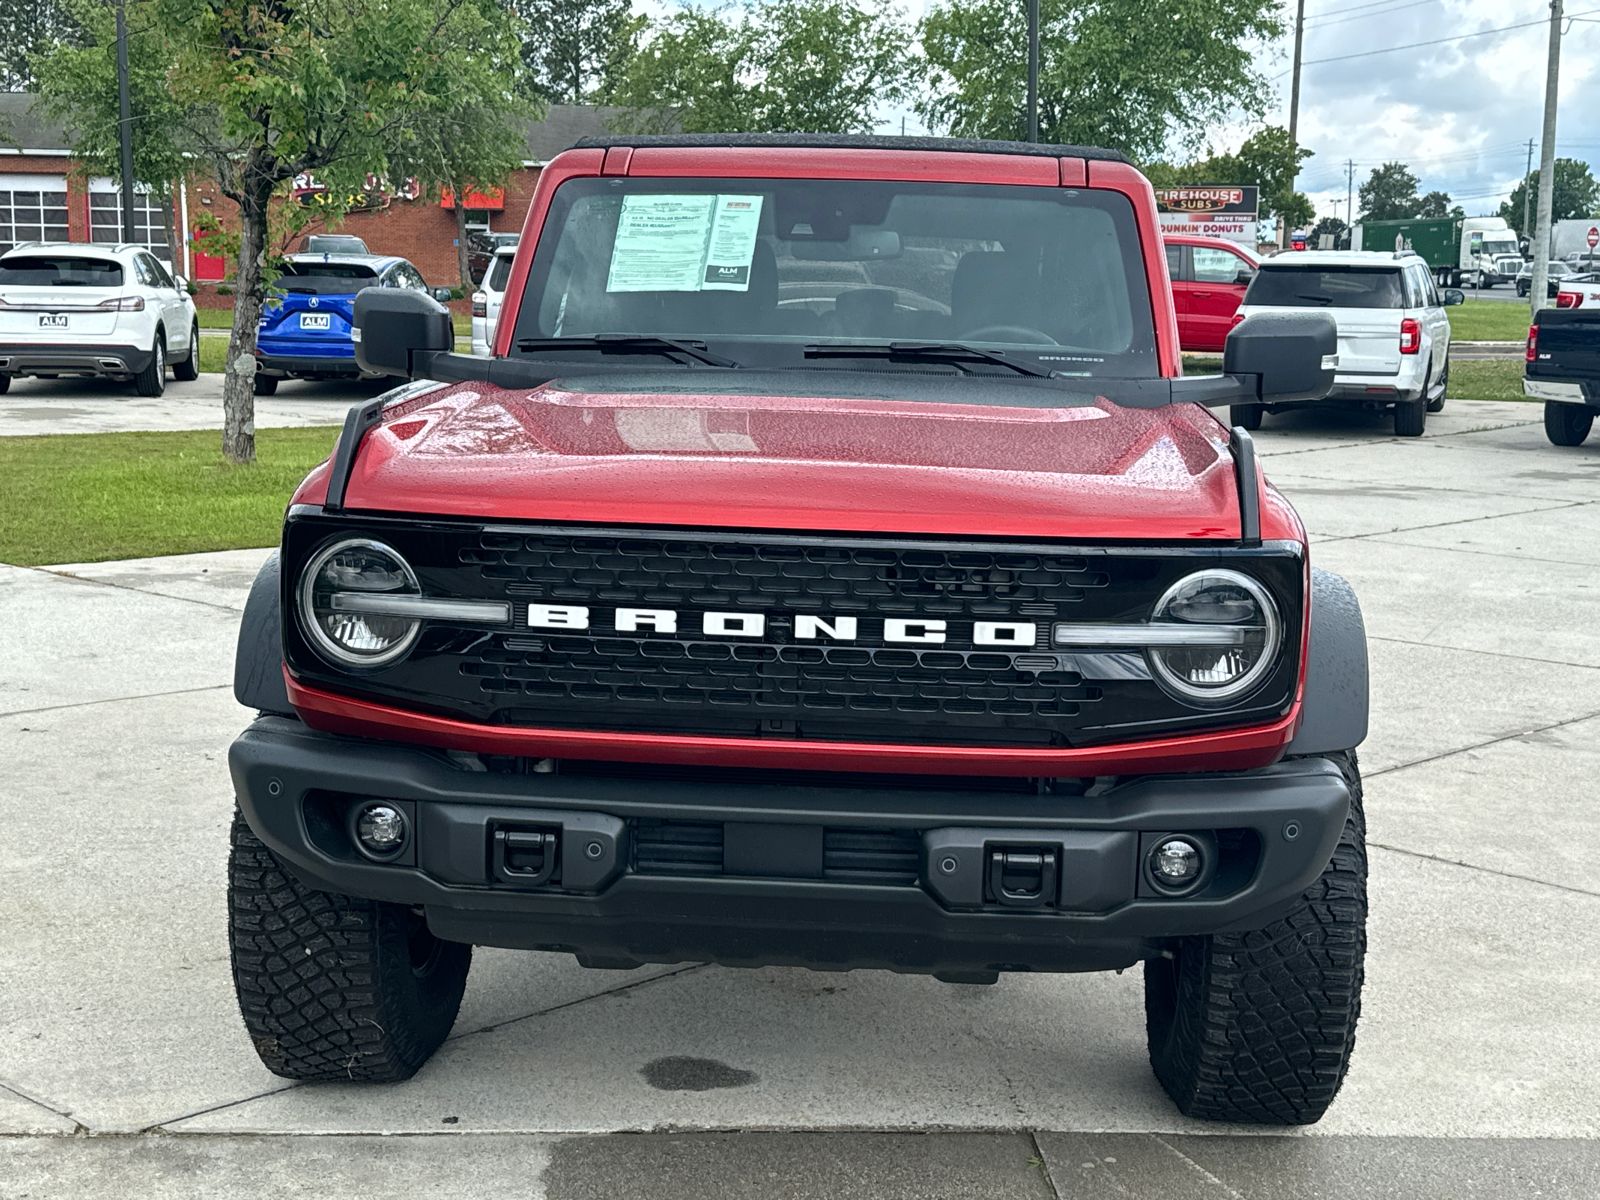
pixel 1000 333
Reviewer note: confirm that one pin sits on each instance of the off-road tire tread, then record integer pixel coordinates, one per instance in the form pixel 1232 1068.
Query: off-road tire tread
pixel 324 981
pixel 1264 1022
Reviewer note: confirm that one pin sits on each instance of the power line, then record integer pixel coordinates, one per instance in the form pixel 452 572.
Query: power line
pixel 1394 7
pixel 1460 37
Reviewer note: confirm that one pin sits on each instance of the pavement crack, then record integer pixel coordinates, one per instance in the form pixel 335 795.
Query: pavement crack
pixel 28 712
pixel 1456 862
pixel 1231 1193
pixel 28 1097
pixel 1044 1164
pixel 1521 512
pixel 58 573
pixel 1487 742
pixel 1549 662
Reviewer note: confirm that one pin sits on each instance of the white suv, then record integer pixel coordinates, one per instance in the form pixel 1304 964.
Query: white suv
pixel 110 311
pixel 486 301
pixel 1394 336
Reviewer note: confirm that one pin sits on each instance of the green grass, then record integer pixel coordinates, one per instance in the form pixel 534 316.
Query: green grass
pixel 90 497
pixel 1486 379
pixel 1488 321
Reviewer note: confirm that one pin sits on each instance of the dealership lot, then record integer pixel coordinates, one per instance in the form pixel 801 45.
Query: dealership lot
pixel 1476 552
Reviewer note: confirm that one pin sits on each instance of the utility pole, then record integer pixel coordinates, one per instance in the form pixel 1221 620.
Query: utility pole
pixel 1294 110
pixel 1527 196
pixel 1033 70
pixel 1539 293
pixel 125 124
pixel 1350 199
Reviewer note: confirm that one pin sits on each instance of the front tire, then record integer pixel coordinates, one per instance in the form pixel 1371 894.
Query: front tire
pixel 189 369
pixel 330 986
pixel 1567 424
pixel 1246 416
pixel 152 381
pixel 1258 1027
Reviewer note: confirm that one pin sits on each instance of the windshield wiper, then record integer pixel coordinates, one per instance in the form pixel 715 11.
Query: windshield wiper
pixel 627 343
pixel 950 352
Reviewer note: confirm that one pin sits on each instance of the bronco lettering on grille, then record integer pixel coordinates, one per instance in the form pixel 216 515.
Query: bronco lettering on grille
pixel 807 626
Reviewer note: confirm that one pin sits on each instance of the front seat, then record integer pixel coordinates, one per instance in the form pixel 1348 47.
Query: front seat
pixel 991 288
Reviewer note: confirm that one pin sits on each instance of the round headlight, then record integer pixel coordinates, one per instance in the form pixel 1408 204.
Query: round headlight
pixel 1220 636
pixel 339 607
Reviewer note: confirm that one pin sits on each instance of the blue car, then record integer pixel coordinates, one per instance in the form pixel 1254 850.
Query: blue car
pixel 305 324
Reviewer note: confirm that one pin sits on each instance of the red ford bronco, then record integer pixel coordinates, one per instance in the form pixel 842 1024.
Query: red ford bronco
pixel 830 567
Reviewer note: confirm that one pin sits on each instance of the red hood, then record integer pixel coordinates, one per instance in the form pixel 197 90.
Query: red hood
pixel 556 453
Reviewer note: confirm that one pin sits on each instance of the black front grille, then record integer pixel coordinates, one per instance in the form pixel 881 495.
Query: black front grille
pixel 779 684
pixel 885 857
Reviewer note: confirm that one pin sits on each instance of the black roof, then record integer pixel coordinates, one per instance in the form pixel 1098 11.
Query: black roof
pixel 847 141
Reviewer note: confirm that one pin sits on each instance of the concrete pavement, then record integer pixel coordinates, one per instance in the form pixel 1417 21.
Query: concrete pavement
pixel 34 406
pixel 1474 552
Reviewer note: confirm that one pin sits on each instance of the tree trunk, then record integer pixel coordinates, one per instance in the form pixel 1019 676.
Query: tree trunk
pixel 238 380
pixel 461 240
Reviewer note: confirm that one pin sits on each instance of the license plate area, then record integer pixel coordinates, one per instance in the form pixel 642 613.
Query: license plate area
pixel 314 321
pixel 52 320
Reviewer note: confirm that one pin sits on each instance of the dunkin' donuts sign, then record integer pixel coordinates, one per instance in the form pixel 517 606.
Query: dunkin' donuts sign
pixel 1210 210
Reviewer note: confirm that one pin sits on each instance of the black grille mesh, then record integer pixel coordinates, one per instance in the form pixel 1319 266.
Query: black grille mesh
pixel 776 680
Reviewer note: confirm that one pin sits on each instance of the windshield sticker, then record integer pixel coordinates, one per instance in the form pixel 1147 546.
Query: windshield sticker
pixel 684 244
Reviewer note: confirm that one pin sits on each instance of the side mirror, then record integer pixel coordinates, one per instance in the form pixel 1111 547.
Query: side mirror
pixel 1244 277
pixel 1453 296
pixel 392 326
pixel 180 283
pixel 442 294
pixel 1291 355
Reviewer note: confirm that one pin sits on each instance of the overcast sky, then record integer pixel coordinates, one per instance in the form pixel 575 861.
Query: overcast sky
pixel 1459 114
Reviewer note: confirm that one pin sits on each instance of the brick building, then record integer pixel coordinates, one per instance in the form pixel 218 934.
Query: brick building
pixel 45 195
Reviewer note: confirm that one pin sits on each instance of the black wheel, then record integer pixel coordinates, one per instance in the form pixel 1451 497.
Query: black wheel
pixel 1567 424
pixel 1522 290
pixel 265 385
pixel 332 987
pixel 1411 417
pixel 5 384
pixel 1246 416
pixel 189 369
pixel 1258 1027
pixel 152 381
pixel 1444 391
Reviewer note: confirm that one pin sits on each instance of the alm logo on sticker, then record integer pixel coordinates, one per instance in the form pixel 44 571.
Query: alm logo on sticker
pixel 726 274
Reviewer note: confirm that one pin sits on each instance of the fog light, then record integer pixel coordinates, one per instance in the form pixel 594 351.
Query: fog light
pixel 381 830
pixel 1176 863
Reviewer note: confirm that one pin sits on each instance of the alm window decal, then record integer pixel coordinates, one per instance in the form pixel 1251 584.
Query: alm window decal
pixel 684 243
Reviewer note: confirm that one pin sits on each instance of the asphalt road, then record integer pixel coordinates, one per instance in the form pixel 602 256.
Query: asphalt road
pixel 124 1070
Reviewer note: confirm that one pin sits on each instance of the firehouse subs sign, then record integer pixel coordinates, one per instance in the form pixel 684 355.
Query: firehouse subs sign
pixel 1210 210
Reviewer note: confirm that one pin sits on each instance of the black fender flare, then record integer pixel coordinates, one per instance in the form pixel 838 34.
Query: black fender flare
pixel 1334 712
pixel 258 661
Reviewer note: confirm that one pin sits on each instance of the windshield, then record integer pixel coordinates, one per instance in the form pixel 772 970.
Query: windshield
pixel 759 270
pixel 326 279
pixel 1326 287
pixel 1507 248
pixel 40 270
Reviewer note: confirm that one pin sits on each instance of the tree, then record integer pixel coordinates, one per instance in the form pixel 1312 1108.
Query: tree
pixel 1576 194
pixel 1389 194
pixel 576 51
pixel 260 93
pixel 29 28
pixel 1134 75
pixel 1437 204
pixel 1329 226
pixel 799 66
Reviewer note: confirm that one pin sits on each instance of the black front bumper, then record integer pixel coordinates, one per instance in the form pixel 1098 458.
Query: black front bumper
pixel 737 870
pixel 112 361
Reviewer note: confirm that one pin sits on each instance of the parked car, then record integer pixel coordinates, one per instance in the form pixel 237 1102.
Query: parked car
pixel 334 243
pixel 1563 365
pixel 1209 277
pixel 487 299
pixel 107 311
pixel 1557 271
pixel 305 325
pixel 948 635
pixel 481 245
pixel 1394 335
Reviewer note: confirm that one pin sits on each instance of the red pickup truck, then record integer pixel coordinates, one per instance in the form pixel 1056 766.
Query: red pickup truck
pixel 829 567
